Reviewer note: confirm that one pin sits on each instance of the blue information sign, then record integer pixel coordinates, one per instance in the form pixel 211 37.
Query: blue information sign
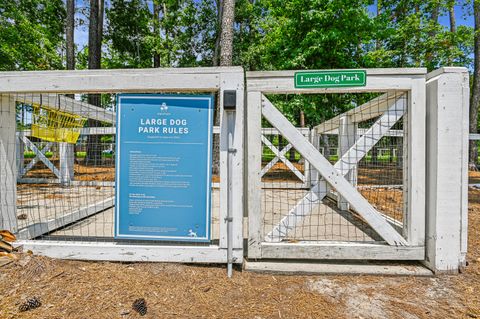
pixel 163 167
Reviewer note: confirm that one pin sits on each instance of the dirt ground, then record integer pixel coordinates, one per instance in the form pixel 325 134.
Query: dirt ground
pixel 74 289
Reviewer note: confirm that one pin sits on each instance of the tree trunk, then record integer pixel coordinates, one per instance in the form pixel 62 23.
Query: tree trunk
pixel 432 33
pixel 165 17
pixel 326 146
pixel 451 14
pixel 216 52
pixel 226 48
pixel 95 32
pixel 69 37
pixel 226 36
pixel 475 97
pixel 69 34
pixel 378 44
pixel 156 31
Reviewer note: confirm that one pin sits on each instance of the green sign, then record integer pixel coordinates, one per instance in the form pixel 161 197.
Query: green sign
pixel 330 79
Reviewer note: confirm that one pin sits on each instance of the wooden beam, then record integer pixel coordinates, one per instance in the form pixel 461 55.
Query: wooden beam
pixel 346 140
pixel 44 150
pixel 339 251
pixel 364 112
pixel 68 105
pixel 116 80
pixel 282 158
pixel 275 159
pixel 129 253
pixel 331 175
pixel 38 229
pixel 41 156
pixel 8 164
pixel 253 178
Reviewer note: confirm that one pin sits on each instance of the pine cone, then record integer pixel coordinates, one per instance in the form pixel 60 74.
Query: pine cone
pixel 140 306
pixel 29 304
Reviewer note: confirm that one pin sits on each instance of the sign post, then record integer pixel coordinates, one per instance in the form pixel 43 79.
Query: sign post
pixel 163 167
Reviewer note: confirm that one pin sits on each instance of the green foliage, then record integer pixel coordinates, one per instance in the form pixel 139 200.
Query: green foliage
pixel 301 34
pixel 31 34
pixel 129 33
pixel 269 35
pixel 413 39
pixel 182 35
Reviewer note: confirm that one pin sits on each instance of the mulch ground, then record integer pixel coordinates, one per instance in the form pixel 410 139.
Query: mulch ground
pixel 75 289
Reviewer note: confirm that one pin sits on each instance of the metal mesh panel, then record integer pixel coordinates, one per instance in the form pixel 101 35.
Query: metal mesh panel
pixel 366 145
pixel 66 191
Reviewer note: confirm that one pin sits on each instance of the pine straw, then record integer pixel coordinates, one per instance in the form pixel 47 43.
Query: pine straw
pixel 74 289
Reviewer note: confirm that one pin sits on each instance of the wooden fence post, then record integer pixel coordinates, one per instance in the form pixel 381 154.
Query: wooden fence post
pixel 447 169
pixel 67 159
pixel 8 164
pixel 347 131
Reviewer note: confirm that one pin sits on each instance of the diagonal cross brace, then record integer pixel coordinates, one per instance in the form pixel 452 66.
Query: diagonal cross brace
pixel 40 155
pixel 283 158
pixel 34 161
pixel 333 175
pixel 275 160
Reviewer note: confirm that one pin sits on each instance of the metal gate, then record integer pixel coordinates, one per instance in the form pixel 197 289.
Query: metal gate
pixel 358 204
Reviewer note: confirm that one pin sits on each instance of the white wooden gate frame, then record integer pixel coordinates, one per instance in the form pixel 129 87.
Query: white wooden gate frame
pixel 139 81
pixel 409 246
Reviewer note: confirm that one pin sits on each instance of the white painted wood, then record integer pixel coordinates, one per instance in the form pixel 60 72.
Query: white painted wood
pixel 8 164
pixel 149 80
pixel 361 131
pixel 68 105
pixel 232 81
pixel 282 158
pixel 312 173
pixel 331 175
pixel 41 156
pixel 442 70
pixel 414 165
pixel 446 191
pixel 34 160
pixel 346 139
pixel 109 130
pixel 38 229
pixel 347 162
pixel 339 251
pixel 283 185
pixel 474 137
pixel 79 183
pixel 369 110
pixel 273 131
pixel 375 83
pixel 129 252
pixel 274 161
pixel 20 154
pixel 67 161
pixel 373 71
pixel 464 169
pixel 132 80
pixel 254 161
pixel 316 268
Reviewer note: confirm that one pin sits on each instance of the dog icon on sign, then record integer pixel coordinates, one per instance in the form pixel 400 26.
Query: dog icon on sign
pixel 164 107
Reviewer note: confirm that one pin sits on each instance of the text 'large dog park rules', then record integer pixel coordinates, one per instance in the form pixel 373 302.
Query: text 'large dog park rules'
pixel 163 167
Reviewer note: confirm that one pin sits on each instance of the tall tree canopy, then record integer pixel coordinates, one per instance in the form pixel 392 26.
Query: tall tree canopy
pixel 267 35
pixel 31 34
